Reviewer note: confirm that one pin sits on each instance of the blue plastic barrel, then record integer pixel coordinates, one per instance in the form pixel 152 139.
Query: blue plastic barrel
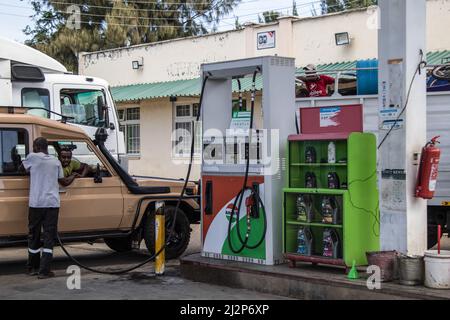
pixel 367 80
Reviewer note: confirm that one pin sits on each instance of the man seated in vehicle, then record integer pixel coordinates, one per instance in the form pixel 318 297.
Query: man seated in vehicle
pixel 72 168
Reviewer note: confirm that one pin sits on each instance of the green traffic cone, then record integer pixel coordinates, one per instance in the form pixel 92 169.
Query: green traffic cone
pixel 353 273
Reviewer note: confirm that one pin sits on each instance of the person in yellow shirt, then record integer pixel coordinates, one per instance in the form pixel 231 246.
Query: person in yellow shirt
pixel 71 168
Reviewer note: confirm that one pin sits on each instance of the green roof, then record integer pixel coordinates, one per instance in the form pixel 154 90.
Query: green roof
pixel 178 88
pixel 192 87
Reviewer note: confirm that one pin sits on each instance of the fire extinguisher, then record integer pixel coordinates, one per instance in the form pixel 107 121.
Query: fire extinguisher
pixel 428 170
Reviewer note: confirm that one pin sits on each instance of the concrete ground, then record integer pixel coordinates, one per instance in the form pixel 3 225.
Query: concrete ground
pixel 139 284
pixel 306 281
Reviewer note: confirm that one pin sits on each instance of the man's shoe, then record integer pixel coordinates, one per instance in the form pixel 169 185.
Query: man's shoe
pixel 47 275
pixel 33 272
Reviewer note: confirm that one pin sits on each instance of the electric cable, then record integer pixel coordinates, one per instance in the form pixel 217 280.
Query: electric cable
pixel 180 199
pixel 374 214
pixel 240 195
pixel 157 10
pixel 422 64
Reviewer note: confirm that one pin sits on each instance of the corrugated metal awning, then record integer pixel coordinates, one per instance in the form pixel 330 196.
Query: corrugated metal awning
pixel 179 88
pixel 192 87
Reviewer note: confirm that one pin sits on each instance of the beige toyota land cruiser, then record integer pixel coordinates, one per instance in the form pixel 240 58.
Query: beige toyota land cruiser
pixel 107 204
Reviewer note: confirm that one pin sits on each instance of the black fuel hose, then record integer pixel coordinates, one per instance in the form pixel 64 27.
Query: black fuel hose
pixel 183 190
pixel 240 195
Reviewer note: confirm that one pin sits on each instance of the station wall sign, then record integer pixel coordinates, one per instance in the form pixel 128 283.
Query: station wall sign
pixel 266 40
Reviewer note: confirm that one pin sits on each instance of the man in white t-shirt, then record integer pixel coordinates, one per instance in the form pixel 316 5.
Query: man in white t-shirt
pixel 45 172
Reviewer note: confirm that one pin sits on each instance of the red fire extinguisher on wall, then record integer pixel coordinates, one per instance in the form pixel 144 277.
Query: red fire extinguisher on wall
pixel 428 170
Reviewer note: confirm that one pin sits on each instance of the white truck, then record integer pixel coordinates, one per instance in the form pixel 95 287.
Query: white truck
pixel 29 78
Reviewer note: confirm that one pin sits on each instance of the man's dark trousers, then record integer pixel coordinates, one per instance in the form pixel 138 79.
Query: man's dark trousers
pixel 47 220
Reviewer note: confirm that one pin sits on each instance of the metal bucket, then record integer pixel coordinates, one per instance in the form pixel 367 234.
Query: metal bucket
pixel 386 261
pixel 412 270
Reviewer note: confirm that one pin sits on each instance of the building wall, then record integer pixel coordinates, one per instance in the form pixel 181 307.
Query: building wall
pixel 314 38
pixel 163 61
pixel 438 24
pixel 309 40
pixel 155 158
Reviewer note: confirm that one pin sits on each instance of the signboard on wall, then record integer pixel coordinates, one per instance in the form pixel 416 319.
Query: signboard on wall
pixel 266 40
pixel 326 119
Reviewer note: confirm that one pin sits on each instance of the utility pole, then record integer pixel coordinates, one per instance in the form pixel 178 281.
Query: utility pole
pixel 402 131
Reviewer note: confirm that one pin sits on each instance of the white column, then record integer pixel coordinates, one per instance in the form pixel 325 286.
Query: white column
pixel 285 37
pixel 401 37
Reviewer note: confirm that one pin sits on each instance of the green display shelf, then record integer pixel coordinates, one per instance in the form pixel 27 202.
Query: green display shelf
pixel 357 223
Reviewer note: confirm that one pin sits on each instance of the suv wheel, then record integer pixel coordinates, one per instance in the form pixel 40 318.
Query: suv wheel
pixel 181 235
pixel 119 244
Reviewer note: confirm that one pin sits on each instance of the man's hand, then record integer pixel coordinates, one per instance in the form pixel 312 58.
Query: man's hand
pixel 68 180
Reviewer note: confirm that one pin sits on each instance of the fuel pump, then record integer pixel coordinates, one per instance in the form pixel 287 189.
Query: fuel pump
pixel 241 170
pixel 428 170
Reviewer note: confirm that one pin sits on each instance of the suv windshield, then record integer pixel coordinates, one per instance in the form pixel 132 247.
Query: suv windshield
pixel 83 106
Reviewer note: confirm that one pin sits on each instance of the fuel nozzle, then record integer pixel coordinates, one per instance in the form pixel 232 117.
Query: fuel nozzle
pixel 251 202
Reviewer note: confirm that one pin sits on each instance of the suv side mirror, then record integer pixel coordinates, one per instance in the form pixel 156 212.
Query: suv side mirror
pixel 98 175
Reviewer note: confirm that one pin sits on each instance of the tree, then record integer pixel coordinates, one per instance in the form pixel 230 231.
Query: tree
pixel 237 24
pixel 269 16
pixel 108 24
pixel 329 6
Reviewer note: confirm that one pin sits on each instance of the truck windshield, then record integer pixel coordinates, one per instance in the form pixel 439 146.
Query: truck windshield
pixel 38 99
pixel 83 106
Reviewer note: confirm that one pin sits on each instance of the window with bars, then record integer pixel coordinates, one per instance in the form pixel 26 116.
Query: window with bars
pixel 184 116
pixel 130 126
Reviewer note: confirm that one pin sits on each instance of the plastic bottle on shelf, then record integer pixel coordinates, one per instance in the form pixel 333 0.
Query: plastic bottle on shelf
pixel 304 208
pixel 331 152
pixel 330 244
pixel 304 241
pixel 302 211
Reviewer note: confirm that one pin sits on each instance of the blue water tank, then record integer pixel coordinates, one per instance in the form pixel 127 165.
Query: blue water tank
pixel 367 80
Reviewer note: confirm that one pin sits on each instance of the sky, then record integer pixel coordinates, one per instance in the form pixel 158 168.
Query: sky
pixel 14 14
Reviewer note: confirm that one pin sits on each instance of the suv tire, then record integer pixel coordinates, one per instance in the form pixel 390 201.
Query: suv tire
pixel 119 244
pixel 180 238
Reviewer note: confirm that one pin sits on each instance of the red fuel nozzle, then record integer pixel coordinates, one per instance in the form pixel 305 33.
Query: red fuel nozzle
pixel 249 203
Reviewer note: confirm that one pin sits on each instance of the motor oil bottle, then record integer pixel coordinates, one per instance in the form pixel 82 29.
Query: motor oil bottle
pixel 329 210
pixel 304 208
pixel 331 244
pixel 304 241
pixel 310 155
pixel 331 152
pixel 333 180
pixel 310 180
